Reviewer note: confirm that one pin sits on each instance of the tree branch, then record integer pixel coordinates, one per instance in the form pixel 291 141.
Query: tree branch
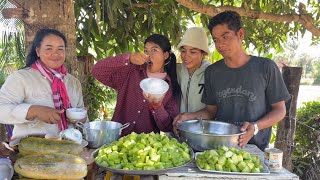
pixel 144 5
pixel 17 4
pixel 12 13
pixel 305 20
pixel 16 12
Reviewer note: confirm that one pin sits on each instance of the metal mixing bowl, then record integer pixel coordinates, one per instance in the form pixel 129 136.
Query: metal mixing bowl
pixel 202 135
pixel 98 133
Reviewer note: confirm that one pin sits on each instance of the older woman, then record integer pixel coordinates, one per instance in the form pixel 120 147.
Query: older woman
pixel 124 73
pixel 34 98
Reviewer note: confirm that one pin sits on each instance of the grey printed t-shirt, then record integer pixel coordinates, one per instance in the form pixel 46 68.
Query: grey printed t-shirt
pixel 245 93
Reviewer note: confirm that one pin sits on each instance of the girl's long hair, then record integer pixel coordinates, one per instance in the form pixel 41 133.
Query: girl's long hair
pixel 170 62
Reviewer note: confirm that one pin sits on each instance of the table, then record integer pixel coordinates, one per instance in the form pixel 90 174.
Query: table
pixel 191 171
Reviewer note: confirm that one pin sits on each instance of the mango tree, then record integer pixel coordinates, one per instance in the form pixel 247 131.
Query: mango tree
pixel 100 28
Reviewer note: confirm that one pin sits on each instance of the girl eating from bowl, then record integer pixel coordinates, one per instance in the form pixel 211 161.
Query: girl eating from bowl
pixel 145 113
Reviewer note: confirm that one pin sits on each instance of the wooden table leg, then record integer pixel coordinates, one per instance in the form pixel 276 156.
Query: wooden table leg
pixel 136 177
pixel 130 177
pixel 108 175
pixel 92 171
pixel 124 177
pixel 127 177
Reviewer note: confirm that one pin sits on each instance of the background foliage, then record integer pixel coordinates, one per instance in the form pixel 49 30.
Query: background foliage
pixel 310 64
pixel 12 49
pixel 102 99
pixel 307 141
pixel 109 27
pixel 106 27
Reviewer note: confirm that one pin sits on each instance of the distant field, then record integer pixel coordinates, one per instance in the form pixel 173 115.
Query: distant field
pixel 308 93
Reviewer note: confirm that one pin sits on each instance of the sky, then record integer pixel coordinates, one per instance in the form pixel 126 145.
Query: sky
pixel 305 46
pixel 305 42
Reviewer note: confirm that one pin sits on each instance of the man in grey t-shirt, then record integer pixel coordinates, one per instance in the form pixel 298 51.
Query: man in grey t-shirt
pixel 241 89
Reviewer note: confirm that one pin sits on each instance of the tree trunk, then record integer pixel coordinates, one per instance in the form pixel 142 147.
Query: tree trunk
pixel 3 134
pixel 286 127
pixel 86 63
pixel 58 14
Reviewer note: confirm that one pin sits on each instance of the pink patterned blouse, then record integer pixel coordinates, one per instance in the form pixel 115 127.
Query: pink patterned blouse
pixel 117 72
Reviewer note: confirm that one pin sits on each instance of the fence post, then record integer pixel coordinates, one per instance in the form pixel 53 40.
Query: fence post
pixel 286 127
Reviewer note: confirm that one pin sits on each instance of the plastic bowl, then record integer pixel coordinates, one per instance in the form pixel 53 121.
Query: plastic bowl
pixel 6 169
pixel 154 86
pixel 76 113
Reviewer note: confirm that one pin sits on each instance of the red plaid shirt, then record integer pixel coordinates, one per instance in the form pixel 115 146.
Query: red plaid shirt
pixel 117 72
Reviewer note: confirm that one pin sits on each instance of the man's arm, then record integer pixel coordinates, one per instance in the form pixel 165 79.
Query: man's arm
pixel 209 112
pixel 277 113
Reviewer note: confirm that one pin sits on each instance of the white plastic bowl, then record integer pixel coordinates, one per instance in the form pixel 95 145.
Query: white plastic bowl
pixel 72 135
pixel 6 169
pixel 76 113
pixel 154 86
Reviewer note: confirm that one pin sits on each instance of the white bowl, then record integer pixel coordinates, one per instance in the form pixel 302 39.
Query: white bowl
pixel 76 113
pixel 154 86
pixel 72 135
pixel 6 169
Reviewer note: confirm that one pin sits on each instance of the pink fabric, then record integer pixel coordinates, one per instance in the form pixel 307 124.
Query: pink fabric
pixel 117 72
pixel 156 75
pixel 59 90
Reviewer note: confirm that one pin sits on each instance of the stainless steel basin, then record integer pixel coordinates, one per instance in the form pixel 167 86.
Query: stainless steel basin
pixel 202 135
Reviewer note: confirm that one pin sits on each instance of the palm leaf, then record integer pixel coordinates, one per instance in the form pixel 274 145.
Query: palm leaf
pixel 12 49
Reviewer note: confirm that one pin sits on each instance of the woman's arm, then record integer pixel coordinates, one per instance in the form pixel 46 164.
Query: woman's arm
pixel 165 114
pixel 112 71
pixel 12 94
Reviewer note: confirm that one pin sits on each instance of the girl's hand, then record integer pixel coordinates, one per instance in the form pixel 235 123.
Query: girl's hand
pixel 153 100
pixel 138 58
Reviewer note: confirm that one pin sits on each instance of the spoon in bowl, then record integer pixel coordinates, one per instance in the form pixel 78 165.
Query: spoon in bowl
pixel 201 123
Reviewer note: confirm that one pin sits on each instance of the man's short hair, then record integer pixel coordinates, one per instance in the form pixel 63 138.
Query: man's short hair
pixel 231 18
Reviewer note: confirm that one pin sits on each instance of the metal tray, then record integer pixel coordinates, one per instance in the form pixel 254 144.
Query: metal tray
pixel 264 171
pixel 139 172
